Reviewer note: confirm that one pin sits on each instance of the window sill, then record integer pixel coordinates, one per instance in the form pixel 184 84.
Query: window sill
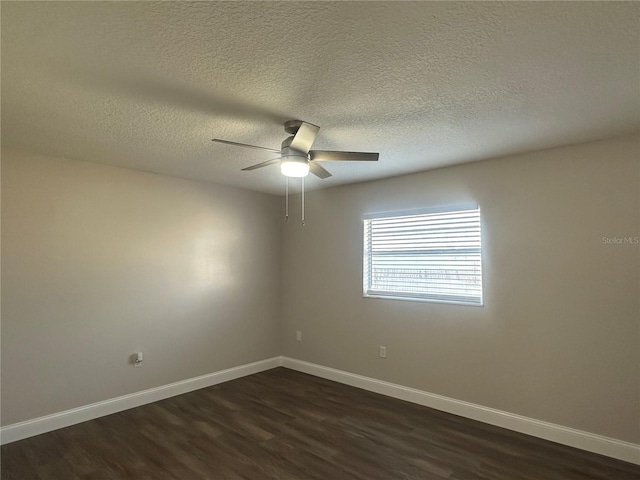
pixel 421 299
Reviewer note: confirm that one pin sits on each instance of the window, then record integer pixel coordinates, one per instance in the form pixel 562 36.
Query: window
pixel 430 254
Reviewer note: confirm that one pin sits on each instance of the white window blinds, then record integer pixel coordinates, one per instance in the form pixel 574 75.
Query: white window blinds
pixel 430 254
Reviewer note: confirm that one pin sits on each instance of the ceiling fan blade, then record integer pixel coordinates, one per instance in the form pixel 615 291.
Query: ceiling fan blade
pixel 244 145
pixel 304 137
pixel 263 164
pixel 329 156
pixel 318 171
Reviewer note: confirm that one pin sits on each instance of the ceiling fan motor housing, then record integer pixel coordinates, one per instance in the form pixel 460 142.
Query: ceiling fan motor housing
pixel 293 163
pixel 287 151
pixel 291 155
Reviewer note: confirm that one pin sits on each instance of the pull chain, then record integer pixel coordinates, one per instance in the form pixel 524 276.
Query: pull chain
pixel 286 199
pixel 303 201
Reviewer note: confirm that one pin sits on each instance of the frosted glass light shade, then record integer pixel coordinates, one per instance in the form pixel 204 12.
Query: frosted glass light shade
pixel 294 168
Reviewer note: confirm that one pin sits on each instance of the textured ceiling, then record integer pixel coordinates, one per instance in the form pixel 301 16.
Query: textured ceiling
pixel 147 85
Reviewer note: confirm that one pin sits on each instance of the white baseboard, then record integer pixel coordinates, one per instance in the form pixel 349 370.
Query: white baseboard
pixel 36 426
pixel 629 452
pixel 602 445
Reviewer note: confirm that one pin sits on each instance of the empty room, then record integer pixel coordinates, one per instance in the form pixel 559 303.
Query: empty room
pixel 320 240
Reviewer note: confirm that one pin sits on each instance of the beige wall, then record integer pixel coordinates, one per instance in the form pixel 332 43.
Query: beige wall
pixel 559 336
pixel 100 262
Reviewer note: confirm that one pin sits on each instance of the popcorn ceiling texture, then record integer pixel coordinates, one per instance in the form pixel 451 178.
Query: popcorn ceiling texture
pixel 146 85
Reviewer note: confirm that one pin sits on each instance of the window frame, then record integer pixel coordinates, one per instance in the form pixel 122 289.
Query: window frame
pixel 367 256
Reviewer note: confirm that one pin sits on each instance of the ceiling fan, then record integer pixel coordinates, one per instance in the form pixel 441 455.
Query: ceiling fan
pixel 296 157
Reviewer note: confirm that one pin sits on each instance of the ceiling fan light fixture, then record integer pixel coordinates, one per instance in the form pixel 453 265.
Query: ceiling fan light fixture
pixel 296 154
pixel 294 167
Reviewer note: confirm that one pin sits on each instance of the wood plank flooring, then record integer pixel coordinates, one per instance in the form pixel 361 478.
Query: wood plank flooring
pixel 286 425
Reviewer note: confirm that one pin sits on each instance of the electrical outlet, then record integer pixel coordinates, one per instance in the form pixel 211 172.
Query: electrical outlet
pixel 383 352
pixel 298 336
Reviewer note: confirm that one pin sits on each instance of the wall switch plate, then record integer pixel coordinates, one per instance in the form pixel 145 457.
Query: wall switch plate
pixel 298 336
pixel 137 359
pixel 383 352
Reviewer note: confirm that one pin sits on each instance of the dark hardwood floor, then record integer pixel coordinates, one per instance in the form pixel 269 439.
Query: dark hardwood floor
pixel 282 424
